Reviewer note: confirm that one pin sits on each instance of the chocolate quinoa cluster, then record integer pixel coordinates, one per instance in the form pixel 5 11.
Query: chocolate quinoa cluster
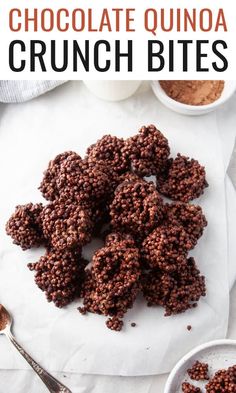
pixel 189 388
pixel 146 241
pixel 66 225
pixel 85 183
pixel 60 275
pixel 129 177
pixel 108 151
pixel 70 177
pixel 224 381
pixel 148 151
pixel 183 179
pixel 48 186
pixel 189 216
pixel 137 208
pixel 176 291
pixel 166 247
pixel 112 284
pixel 24 226
pixel 199 371
pixel 117 237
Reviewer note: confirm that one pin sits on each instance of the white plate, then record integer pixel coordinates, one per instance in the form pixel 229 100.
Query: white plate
pixel 218 355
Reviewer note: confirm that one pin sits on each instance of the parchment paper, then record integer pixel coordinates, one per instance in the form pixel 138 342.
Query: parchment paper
pixel 71 119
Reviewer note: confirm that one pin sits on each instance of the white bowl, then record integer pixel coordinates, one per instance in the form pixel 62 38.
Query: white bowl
pixel 193 110
pixel 219 354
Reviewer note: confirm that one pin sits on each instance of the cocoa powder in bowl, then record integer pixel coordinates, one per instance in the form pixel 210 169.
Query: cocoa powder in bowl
pixel 193 92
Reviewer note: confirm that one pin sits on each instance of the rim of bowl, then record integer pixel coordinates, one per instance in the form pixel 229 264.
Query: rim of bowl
pixel 191 353
pixel 197 108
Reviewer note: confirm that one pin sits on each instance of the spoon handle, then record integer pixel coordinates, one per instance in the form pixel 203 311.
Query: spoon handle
pixel 53 385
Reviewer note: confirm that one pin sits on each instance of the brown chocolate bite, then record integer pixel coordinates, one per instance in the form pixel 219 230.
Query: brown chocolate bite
pixel 112 284
pixel 66 225
pixel 183 179
pixel 156 287
pixel 176 292
pixel 198 371
pixel 190 216
pixel 108 151
pixel 60 275
pixel 102 299
pixel 147 151
pixel 70 177
pixel 189 388
pixel 114 323
pixel 137 208
pixel 85 183
pixel 117 265
pixel 224 381
pixel 48 186
pixel 166 248
pixel 24 226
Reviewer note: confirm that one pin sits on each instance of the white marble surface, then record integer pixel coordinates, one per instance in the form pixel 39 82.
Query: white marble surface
pixel 25 381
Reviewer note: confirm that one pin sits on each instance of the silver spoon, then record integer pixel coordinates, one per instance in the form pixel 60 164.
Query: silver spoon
pixel 53 385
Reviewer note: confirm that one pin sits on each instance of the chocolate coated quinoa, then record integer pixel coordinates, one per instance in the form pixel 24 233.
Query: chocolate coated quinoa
pixel 102 299
pixel 70 177
pixel 176 292
pixel 24 226
pixel 108 151
pixel 137 208
pixel 198 371
pixel 80 181
pixel 100 216
pixel 117 237
pixel 189 388
pixel 148 151
pixel 190 216
pixel 166 248
pixel 224 381
pixel 60 275
pixel 114 323
pixel 146 242
pixel 112 284
pixel 117 265
pixel 66 225
pixel 48 186
pixel 183 179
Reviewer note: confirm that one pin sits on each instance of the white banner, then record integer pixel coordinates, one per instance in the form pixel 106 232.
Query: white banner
pixel 117 39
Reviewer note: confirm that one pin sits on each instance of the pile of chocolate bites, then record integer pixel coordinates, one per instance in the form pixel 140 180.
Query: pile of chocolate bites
pixel 223 381
pixel 146 241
